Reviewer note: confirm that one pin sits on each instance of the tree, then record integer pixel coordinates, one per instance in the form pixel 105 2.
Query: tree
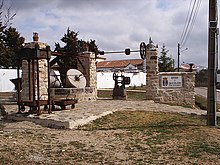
pixel 165 63
pixel 74 46
pixel 201 78
pixel 10 39
pixel 13 42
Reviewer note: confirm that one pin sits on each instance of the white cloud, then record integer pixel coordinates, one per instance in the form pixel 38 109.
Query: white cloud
pixel 116 24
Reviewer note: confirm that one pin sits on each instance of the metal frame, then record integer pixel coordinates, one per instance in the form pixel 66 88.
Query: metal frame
pixel 32 56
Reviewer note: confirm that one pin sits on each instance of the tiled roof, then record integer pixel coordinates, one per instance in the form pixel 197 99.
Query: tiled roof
pixel 98 57
pixel 119 63
pixel 187 66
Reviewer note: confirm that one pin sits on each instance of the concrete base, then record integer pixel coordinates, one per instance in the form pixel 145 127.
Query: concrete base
pixel 81 94
pixel 82 114
pixel 53 121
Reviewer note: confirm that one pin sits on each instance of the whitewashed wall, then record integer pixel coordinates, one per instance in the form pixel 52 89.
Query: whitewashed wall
pixel 105 79
pixel 5 75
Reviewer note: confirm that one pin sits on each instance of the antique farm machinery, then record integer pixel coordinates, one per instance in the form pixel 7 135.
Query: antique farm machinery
pixel 119 91
pixel 50 83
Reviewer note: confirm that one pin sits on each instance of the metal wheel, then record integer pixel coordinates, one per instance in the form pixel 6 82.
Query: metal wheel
pixel 115 76
pixel 143 50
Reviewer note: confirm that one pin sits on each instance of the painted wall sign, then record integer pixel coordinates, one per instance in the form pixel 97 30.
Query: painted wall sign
pixel 171 81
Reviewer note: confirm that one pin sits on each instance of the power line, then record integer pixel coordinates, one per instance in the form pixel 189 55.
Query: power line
pixel 184 29
pixel 190 20
pixel 193 22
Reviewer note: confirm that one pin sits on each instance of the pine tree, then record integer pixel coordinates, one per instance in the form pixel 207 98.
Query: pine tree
pixel 74 46
pixel 165 62
pixel 12 44
pixel 201 78
pixel 10 39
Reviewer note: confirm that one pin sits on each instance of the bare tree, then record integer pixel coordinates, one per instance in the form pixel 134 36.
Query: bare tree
pixel 5 15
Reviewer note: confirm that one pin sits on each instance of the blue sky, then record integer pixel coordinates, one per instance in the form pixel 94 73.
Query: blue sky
pixel 115 24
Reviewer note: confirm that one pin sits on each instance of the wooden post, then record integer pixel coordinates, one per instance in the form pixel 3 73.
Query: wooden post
pixel 212 68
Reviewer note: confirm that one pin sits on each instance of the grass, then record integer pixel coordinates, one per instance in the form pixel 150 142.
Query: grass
pixel 76 144
pixel 152 133
pixel 136 88
pixel 124 137
pixel 197 148
pixel 1 125
pixel 141 120
pixel 201 102
pixel 131 95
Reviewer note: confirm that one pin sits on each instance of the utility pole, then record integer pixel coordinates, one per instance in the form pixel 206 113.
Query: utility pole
pixel 212 68
pixel 178 57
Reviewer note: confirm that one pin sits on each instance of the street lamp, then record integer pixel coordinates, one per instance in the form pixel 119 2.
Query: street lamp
pixel 178 57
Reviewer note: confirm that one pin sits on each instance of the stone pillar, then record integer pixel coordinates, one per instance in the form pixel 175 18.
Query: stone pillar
pixel 28 77
pixel 43 80
pixel 87 66
pixel 152 80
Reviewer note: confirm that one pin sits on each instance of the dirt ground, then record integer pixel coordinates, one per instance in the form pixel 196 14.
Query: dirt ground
pixel 126 137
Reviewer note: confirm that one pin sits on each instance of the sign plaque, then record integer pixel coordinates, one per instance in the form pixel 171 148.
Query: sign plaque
pixel 171 81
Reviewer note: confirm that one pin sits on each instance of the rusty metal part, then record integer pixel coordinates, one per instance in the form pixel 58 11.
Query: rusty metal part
pixel 127 51
pixel 32 56
pixel 119 91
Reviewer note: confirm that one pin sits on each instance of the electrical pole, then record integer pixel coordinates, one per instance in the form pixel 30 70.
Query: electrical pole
pixel 212 68
pixel 178 57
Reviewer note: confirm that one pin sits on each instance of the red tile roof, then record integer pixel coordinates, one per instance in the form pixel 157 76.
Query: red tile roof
pixel 187 66
pixel 119 63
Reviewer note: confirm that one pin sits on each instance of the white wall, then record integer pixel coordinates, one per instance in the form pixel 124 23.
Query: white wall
pixel 5 75
pixel 105 79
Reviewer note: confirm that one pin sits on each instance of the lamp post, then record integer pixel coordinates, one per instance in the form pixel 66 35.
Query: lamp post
pixel 178 56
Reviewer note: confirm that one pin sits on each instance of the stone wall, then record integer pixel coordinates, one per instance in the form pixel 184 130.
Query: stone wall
pixel 82 94
pixel 176 88
pixel 183 95
pixel 87 66
pixel 43 80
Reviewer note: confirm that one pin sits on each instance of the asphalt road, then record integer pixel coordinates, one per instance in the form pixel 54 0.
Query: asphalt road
pixel 203 92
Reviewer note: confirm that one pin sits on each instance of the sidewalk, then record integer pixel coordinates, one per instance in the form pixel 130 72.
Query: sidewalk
pixel 85 112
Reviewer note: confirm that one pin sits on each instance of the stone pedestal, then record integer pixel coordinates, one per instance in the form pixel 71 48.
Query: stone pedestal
pixel 182 94
pixel 152 73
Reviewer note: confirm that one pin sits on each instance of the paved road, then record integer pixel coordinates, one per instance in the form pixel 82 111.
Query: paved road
pixel 203 92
